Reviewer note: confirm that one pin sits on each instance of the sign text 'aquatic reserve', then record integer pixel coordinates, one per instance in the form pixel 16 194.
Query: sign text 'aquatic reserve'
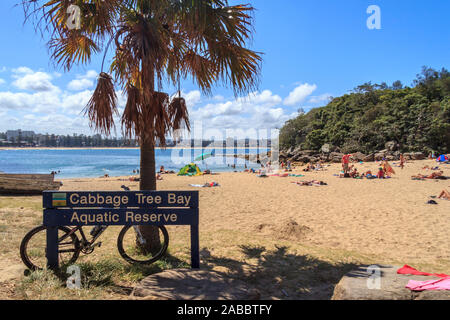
pixel 120 208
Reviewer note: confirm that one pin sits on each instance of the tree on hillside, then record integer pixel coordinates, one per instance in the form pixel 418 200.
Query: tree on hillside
pixel 417 118
pixel 152 41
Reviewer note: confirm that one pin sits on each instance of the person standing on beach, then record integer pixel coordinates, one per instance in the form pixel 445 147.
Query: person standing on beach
pixel 402 161
pixel 345 162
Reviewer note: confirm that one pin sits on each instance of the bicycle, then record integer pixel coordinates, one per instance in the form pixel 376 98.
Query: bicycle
pixel 70 246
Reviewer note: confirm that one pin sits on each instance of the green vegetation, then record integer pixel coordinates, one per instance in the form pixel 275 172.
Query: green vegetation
pixel 418 118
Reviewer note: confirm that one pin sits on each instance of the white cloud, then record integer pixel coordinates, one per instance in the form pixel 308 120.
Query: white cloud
pixel 299 94
pixel 83 82
pixel 2 81
pixel 258 110
pixel 80 84
pixel 192 98
pixel 27 79
pixel 320 99
pixel 52 109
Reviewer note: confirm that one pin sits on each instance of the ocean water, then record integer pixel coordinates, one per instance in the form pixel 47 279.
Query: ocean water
pixel 73 163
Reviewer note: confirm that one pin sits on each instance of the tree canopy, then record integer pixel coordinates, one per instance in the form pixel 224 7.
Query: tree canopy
pixel 417 117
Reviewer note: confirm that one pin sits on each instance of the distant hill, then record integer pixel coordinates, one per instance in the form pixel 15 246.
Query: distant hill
pixel 417 118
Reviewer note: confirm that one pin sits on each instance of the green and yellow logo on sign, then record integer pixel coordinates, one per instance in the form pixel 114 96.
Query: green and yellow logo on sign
pixel 59 200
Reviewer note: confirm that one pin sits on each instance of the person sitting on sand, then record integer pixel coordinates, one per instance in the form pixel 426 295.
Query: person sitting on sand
pixel 380 174
pixel 159 176
pixel 445 195
pixel 354 173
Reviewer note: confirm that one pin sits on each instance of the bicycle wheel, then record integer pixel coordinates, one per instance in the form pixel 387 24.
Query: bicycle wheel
pixel 126 243
pixel 33 248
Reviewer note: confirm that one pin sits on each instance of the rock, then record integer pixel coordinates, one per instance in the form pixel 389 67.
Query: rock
pixel 354 286
pixel 336 157
pixel 326 148
pixel 414 156
pixel 379 156
pixel 417 156
pixel 369 158
pixel 391 145
pixel 192 284
pixel 309 152
pixel 283 155
pixel 358 156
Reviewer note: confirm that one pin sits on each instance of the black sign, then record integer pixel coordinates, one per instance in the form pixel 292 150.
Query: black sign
pixel 119 208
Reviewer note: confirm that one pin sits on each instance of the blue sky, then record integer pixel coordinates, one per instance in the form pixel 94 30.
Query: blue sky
pixel 312 50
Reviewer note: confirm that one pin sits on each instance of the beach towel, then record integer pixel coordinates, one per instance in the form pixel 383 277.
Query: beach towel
pixel 206 185
pixel 410 270
pixel 440 284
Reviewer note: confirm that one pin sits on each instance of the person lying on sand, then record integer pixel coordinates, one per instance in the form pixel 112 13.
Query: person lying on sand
pixel 310 183
pixel 163 171
pixel 444 195
pixel 434 175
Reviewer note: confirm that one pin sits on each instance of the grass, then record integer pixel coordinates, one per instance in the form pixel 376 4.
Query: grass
pixel 278 268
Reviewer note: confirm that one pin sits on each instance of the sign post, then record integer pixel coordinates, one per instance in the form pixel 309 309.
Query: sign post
pixel 125 208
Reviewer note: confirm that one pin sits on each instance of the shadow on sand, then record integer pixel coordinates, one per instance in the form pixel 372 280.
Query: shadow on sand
pixel 279 274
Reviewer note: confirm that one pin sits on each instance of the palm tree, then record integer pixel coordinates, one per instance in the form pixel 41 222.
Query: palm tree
pixel 152 41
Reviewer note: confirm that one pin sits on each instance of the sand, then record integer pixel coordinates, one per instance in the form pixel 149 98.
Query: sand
pixel 386 219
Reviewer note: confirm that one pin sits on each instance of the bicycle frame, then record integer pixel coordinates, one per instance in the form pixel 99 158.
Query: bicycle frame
pixel 85 241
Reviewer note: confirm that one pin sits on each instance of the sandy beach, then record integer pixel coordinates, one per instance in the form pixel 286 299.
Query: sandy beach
pixel 288 241
pixel 387 218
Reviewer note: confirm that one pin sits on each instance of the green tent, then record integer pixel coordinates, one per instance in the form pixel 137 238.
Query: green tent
pixel 190 170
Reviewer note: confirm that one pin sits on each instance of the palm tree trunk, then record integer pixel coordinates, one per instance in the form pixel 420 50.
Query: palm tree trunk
pixel 148 182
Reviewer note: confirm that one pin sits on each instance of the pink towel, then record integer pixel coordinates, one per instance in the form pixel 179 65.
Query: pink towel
pixel 441 284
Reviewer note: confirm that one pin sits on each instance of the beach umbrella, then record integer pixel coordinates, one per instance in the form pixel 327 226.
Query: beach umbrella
pixel 204 156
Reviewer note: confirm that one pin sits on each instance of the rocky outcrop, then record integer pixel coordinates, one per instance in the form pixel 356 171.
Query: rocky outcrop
pixel 414 156
pixel 358 156
pixel 192 284
pixel 361 285
pixel 330 153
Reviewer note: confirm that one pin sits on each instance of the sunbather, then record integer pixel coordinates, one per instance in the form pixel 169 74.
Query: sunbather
pixel 445 195
pixel 434 175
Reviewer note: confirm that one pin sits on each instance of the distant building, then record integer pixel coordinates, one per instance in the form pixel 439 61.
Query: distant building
pixel 14 134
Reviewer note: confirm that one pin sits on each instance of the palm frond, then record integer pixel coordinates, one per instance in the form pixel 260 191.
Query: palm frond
pixel 72 49
pixel 103 105
pixel 178 114
pixel 132 113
